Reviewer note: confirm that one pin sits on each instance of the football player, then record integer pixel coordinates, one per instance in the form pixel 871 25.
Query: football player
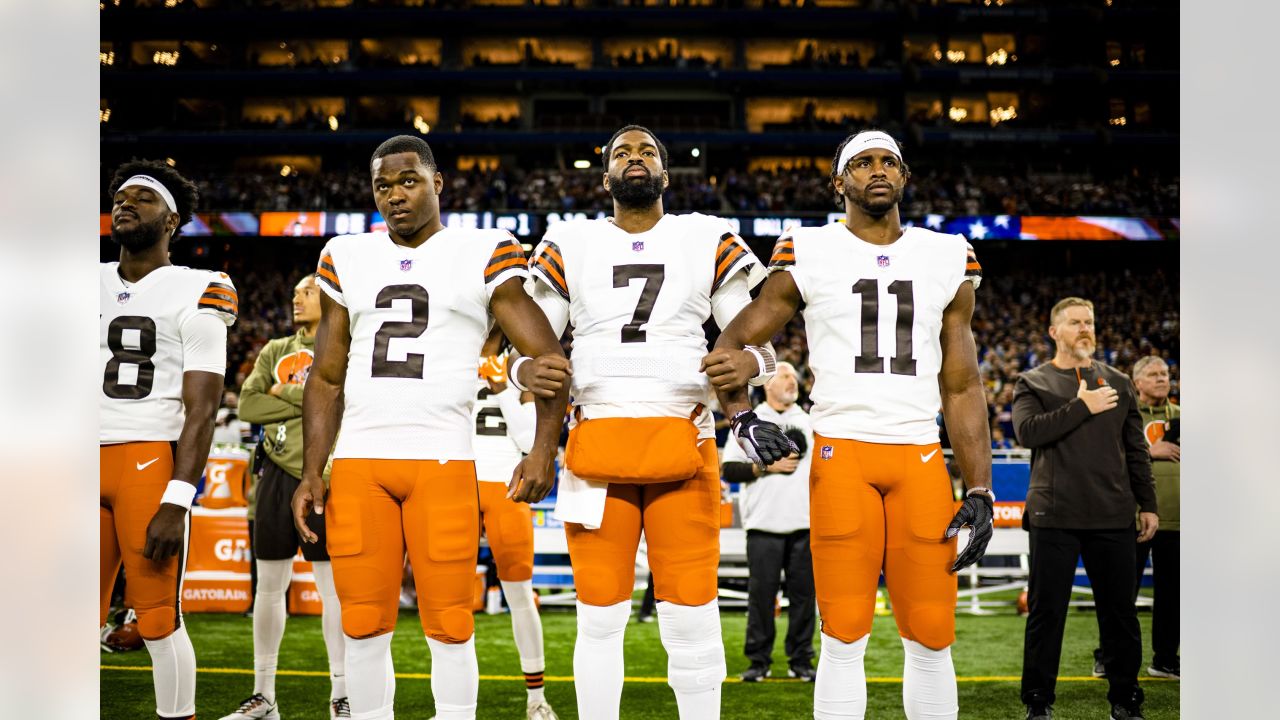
pixel 404 315
pixel 163 332
pixel 641 456
pixel 272 396
pixel 504 422
pixel 887 314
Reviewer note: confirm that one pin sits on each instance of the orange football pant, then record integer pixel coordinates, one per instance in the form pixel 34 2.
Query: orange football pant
pixel 132 479
pixel 681 524
pixel 509 527
pixel 379 508
pixel 876 508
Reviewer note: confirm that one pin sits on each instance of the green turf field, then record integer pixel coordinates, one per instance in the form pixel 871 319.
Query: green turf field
pixel 988 659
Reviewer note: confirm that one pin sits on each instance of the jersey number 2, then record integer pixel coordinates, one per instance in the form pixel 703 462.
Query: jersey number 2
pixel 121 355
pixel 870 361
pixel 653 276
pixel 412 365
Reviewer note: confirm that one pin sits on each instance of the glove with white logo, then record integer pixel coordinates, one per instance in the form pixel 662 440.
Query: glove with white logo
pixel 978 512
pixel 762 441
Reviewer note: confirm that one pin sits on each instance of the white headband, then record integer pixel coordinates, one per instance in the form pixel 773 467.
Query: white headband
pixel 154 185
pixel 867 141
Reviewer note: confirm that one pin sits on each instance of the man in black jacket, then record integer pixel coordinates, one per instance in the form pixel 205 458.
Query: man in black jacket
pixel 1089 470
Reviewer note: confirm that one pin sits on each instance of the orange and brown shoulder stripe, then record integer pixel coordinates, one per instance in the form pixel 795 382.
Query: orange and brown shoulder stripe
pixel 784 253
pixel 971 266
pixel 506 255
pixel 549 264
pixel 328 273
pixel 728 253
pixel 221 297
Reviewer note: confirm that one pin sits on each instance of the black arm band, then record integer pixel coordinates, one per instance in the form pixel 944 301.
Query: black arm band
pixel 738 472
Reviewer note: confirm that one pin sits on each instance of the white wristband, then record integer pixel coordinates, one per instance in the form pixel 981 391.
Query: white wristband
pixel 765 361
pixel 984 490
pixel 513 373
pixel 180 493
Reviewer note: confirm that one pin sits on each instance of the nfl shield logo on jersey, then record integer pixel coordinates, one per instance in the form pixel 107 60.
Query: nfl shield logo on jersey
pixel 826 452
pixel 637 245
pixel 882 260
pixel 123 298
pixel 406 265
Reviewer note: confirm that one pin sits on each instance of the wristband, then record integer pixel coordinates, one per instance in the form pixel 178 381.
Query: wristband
pixel 513 373
pixel 765 361
pixel 983 490
pixel 180 493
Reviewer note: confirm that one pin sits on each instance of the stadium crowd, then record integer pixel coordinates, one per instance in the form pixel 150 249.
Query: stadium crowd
pixel 733 190
pixel 1137 316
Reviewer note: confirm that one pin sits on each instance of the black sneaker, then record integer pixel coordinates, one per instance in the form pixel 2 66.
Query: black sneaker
pixel 755 673
pixel 1099 670
pixel 802 671
pixel 1120 712
pixel 1162 671
pixel 1039 712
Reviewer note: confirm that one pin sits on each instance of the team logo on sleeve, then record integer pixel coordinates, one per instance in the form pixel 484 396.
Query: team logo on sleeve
pixel 406 265
pixel 123 298
pixel 882 260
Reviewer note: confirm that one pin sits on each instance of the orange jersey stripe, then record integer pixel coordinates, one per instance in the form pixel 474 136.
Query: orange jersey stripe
pixel 553 253
pixel 728 262
pixel 223 291
pixel 973 266
pixel 328 275
pixel 493 270
pixel 553 275
pixel 217 302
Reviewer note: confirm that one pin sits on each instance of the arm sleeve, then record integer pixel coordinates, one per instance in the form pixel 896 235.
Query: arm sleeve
pixel 521 418
pixel 739 472
pixel 1036 427
pixel 1137 455
pixel 204 343
pixel 733 257
pixel 257 405
pixel 292 394
pixel 505 262
pixel 553 304
pixel 783 259
pixel 219 299
pixel 327 274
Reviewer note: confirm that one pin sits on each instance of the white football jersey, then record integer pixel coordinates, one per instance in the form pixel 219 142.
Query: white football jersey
pixel 638 301
pixel 418 319
pixel 142 327
pixel 497 452
pixel 873 316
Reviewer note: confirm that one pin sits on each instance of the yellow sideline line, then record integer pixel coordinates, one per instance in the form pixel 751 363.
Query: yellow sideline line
pixel 569 678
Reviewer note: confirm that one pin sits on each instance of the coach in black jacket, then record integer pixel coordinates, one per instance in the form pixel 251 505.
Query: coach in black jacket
pixel 1089 471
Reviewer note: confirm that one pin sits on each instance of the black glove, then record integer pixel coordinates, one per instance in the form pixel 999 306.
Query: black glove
pixel 801 443
pixel 762 441
pixel 978 512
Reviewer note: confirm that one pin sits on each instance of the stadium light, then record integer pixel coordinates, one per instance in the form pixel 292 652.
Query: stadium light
pixel 582 164
pixel 284 171
pixel 695 152
pixel 333 122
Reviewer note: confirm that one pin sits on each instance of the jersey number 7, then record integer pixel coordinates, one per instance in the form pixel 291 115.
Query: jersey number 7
pixel 653 276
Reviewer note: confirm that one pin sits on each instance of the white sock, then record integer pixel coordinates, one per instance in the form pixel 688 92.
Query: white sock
pixel 841 688
pixel 331 625
pixel 371 678
pixel 928 683
pixel 597 659
pixel 269 616
pixel 455 679
pixel 173 671
pixel 695 656
pixel 526 627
